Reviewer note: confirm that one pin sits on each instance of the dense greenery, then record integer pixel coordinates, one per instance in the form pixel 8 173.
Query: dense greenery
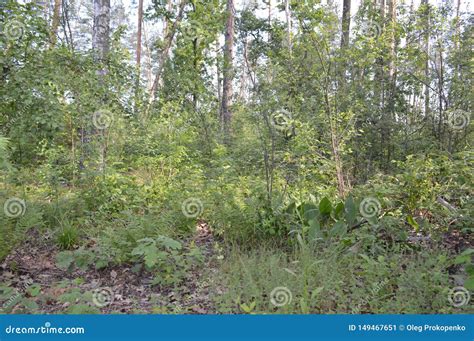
pixel 345 175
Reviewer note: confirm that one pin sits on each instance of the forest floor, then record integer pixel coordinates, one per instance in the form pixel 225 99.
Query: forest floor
pixel 35 280
pixel 123 290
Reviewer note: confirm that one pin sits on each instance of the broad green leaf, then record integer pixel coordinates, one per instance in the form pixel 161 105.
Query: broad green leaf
pixel 465 257
pixel 169 243
pixel 338 210
pixel 469 284
pixel 291 208
pixel 310 211
pixel 350 210
pixel 325 206
pixel 30 304
pixel 339 229
pixel 314 229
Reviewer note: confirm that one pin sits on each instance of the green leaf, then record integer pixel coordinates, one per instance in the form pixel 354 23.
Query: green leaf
pixel 153 256
pixel 101 263
pixel 469 269
pixel 469 284
pixel 300 240
pixel 248 308
pixel 316 292
pixel 310 211
pixel 338 210
pixel 465 257
pixel 304 306
pixel 34 290
pixel 71 296
pixel 365 257
pixel 350 210
pixel 64 259
pixel 314 229
pixel 325 206
pixel 245 308
pixel 339 229
pixel 291 208
pixel 169 243
pixel 81 309
pixel 413 223
pixel 30 304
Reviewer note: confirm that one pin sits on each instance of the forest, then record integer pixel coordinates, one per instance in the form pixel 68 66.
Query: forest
pixel 236 157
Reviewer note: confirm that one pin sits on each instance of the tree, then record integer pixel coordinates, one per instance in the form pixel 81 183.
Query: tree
pixel 288 24
pixel 228 72
pixel 346 23
pixel 55 23
pixel 101 29
pixel 101 47
pixel 165 53
pixel 426 17
pixel 139 35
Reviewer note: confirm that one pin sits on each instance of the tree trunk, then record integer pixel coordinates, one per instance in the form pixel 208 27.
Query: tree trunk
pixel 346 23
pixel 101 47
pixel 243 75
pixel 67 25
pixel 441 102
pixel 55 22
pixel 218 74
pixel 138 54
pixel 139 34
pixel 288 25
pixel 228 72
pixel 427 62
pixel 458 37
pixel 270 13
pixel 101 29
pixel 392 7
pixel 392 77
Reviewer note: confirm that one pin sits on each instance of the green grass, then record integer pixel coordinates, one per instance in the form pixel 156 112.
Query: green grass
pixel 332 279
